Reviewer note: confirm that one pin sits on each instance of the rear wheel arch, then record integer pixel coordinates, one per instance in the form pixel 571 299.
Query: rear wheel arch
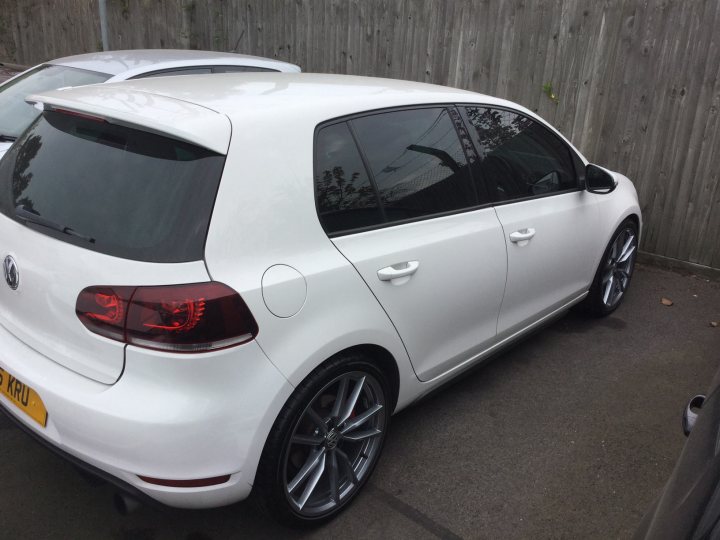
pixel 382 358
pixel 270 488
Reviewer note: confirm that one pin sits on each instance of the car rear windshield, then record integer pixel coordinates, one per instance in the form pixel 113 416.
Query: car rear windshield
pixel 15 114
pixel 110 188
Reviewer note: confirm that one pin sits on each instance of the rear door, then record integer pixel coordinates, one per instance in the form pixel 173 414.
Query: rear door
pixel 548 221
pixel 84 202
pixel 395 192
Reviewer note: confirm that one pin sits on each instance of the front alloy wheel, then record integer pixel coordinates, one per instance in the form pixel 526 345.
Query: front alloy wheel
pixel 613 275
pixel 618 267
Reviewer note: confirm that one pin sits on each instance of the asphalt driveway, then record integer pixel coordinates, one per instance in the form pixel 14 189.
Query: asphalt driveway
pixel 570 434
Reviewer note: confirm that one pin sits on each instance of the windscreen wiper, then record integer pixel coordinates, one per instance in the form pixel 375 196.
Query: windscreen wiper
pixel 7 138
pixel 32 217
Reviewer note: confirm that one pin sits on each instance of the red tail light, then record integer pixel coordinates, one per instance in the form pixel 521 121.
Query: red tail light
pixel 183 318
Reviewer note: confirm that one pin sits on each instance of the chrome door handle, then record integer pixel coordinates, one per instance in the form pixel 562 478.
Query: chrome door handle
pixel 399 270
pixel 523 235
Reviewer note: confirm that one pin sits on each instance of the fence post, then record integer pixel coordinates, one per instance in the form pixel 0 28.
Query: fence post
pixel 103 24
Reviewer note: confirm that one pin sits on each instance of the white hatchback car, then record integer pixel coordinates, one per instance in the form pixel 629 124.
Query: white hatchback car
pixel 237 279
pixel 113 66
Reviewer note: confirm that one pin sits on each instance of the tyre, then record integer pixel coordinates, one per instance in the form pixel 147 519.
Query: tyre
pixel 325 442
pixel 613 276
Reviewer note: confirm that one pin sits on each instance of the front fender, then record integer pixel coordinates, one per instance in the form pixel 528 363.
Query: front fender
pixel 614 208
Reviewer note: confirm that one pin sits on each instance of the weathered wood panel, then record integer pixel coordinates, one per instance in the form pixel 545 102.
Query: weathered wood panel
pixel 638 81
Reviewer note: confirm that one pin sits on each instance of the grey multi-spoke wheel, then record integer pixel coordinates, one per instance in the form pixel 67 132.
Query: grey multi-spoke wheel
pixel 334 442
pixel 619 266
pixel 616 268
pixel 326 442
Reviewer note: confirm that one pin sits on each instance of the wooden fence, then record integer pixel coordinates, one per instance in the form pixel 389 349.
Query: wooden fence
pixel 636 82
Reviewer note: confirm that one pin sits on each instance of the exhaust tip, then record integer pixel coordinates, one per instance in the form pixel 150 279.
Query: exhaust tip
pixel 125 504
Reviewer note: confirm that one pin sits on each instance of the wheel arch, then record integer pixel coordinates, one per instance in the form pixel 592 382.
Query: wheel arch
pixel 383 359
pixel 635 218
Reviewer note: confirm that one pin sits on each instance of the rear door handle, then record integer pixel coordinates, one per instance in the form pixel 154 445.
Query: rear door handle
pixel 522 236
pixel 399 270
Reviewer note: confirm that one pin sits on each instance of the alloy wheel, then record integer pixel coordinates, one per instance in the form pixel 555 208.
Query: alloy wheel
pixel 618 267
pixel 334 444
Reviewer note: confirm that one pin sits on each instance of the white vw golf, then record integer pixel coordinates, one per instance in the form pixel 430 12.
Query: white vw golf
pixel 222 284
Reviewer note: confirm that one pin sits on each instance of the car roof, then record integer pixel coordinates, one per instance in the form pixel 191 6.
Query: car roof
pixel 234 93
pixel 307 98
pixel 135 62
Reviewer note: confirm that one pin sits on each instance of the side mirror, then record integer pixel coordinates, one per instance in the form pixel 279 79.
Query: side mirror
pixel 598 180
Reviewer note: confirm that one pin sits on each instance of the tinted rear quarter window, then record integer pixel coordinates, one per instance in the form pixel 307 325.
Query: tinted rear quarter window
pixel 519 157
pixel 137 195
pixel 344 195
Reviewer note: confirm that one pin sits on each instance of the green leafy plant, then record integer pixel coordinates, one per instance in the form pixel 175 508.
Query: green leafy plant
pixel 548 91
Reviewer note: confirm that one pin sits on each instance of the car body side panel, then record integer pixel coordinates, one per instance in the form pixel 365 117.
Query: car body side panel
pixel 613 209
pixel 447 311
pixel 339 311
pixel 338 300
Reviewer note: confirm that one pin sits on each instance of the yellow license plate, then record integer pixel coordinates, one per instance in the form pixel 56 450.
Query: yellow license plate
pixel 23 397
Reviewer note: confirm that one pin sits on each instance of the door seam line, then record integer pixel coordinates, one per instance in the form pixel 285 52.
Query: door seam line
pixel 381 306
pixel 507 271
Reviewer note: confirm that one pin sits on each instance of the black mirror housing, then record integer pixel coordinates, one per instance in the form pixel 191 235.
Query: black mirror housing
pixel 598 180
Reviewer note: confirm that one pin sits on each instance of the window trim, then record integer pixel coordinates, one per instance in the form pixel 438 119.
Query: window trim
pixel 211 67
pixel 368 169
pixel 472 161
pixel 255 69
pixel 385 224
pixel 93 71
pixel 574 158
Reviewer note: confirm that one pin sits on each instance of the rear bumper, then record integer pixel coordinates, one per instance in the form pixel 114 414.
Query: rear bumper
pixel 99 473
pixel 175 417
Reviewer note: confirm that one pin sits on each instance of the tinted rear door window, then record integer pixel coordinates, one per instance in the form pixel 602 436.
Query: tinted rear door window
pixel 417 162
pixel 345 196
pixel 519 157
pixel 122 191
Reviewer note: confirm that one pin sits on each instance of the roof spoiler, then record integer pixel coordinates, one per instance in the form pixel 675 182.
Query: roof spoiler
pixel 154 113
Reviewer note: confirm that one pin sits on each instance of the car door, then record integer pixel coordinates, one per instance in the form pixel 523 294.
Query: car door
pixel 548 221
pixel 395 193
